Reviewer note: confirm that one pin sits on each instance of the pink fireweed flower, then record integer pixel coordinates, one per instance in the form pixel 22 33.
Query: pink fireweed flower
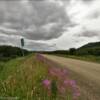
pixel 59 73
pixel 47 83
pixel 73 83
pixel 47 86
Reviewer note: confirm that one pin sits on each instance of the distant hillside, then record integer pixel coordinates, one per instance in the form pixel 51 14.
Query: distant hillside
pixel 89 49
pixel 9 52
pixel 91 45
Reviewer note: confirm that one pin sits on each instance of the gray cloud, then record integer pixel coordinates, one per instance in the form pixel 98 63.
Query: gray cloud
pixel 87 18
pixel 36 20
pixel 39 46
pixel 47 20
pixel 30 45
pixel 87 1
pixel 88 34
pixel 94 15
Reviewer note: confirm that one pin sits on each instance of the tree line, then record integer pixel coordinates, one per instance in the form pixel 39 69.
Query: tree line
pixel 9 52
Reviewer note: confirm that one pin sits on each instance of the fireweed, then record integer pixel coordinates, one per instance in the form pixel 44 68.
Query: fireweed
pixel 59 83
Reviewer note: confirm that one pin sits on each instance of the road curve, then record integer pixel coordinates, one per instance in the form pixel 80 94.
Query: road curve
pixel 90 71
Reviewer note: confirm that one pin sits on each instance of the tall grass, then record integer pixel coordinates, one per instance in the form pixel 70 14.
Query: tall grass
pixel 31 79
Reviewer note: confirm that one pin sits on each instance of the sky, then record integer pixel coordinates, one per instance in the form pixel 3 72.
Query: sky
pixel 49 24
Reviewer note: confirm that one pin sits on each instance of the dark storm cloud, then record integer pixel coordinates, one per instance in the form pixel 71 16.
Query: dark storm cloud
pixel 35 20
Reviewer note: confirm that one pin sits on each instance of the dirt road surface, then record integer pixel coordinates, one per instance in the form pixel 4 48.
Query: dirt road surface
pixel 87 75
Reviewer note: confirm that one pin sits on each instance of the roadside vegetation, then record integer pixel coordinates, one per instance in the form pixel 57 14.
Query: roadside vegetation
pixel 36 78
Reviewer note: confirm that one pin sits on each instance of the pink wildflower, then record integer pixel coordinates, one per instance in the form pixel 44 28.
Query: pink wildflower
pixel 73 83
pixel 47 83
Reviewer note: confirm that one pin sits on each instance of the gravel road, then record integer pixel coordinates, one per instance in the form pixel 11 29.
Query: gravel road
pixel 86 73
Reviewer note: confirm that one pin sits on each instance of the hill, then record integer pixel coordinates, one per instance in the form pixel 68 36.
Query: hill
pixel 91 45
pixel 89 49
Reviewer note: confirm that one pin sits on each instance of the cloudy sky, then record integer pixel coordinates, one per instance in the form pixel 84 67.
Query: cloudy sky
pixel 49 24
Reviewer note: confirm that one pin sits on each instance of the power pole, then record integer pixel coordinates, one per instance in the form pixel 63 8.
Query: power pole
pixel 22 45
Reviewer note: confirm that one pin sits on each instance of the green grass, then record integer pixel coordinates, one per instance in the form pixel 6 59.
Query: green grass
pixel 22 78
